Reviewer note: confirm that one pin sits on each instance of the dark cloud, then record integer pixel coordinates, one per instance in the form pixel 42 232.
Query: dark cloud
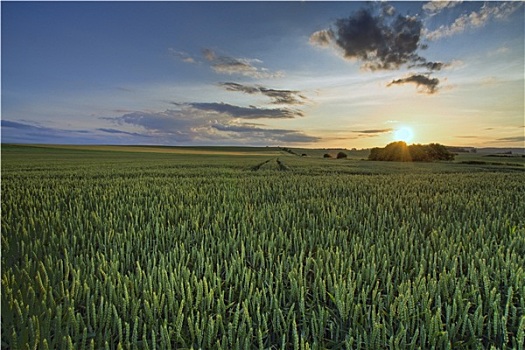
pixel 269 135
pixel 375 131
pixel 290 97
pixel 16 125
pixel 512 139
pixel 37 128
pixel 467 137
pixel 242 66
pixel 115 131
pixel 372 132
pixel 284 96
pixel 431 66
pixel 239 87
pixel 381 41
pixel 251 112
pixel 430 85
pixel 121 111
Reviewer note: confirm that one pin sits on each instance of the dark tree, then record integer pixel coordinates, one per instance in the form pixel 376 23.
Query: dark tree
pixel 341 155
pixel 439 152
pixel 400 152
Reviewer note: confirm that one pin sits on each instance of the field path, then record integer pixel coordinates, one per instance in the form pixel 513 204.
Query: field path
pixel 258 166
pixel 282 166
pixel 278 165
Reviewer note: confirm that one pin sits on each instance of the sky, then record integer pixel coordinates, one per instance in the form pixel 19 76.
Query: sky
pixel 298 74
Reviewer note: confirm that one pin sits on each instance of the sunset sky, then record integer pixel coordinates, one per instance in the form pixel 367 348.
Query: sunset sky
pixel 309 74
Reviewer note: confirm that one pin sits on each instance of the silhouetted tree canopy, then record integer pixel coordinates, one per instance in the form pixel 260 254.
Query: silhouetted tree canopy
pixel 341 155
pixel 400 152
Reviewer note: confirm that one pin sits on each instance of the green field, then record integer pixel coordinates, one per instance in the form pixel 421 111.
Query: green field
pixel 257 248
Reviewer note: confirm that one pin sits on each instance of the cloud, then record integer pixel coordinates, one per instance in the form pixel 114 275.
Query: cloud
pixel 475 19
pixel 322 37
pixel 173 124
pixel 37 128
pixel 512 139
pixel 192 124
pixel 115 131
pixel 429 84
pixel 241 66
pixel 248 67
pixel 436 6
pixel 374 131
pixel 289 97
pixel 16 132
pixel 387 9
pixel 467 137
pixel 16 125
pixel 283 96
pixel 185 126
pixel 241 88
pixel 251 112
pixel 181 55
pixel 500 51
pixel 431 66
pixel 268 135
pixel 380 41
pixel 208 54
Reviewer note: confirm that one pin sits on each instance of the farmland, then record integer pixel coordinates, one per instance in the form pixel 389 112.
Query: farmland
pixel 238 248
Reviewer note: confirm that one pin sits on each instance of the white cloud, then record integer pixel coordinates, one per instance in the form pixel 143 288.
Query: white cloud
pixel 436 6
pixel 181 55
pixel 475 19
pixel 241 66
pixel 503 50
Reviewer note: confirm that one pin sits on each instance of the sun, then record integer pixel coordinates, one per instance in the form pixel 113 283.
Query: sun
pixel 403 134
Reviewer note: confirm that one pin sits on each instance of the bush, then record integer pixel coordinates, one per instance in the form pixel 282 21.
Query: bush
pixel 341 155
pixel 326 155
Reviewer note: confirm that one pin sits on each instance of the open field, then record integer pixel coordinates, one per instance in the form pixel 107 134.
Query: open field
pixel 215 150
pixel 241 248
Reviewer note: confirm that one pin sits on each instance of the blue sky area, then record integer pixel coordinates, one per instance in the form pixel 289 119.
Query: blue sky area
pixel 315 74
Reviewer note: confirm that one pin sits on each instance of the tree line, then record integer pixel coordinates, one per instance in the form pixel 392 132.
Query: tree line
pixel 400 152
